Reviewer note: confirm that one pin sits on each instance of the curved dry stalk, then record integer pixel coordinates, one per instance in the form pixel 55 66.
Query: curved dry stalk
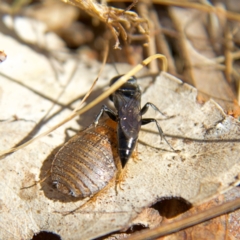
pixel 107 93
pixel 70 117
pixel 187 222
pixel 124 79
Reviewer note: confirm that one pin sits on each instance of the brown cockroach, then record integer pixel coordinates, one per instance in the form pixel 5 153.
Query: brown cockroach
pixel 87 162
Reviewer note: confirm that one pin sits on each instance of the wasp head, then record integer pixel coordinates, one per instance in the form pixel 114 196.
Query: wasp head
pixel 130 85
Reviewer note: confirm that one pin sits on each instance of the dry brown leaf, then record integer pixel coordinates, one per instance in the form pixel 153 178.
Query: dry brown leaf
pixel 200 65
pixel 206 161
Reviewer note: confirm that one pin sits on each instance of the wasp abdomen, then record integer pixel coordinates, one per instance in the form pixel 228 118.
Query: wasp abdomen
pixel 126 147
pixel 85 164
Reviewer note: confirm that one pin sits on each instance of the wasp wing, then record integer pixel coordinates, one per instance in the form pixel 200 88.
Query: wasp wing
pixel 129 114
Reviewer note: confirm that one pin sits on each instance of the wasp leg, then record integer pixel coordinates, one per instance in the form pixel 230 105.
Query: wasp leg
pixel 146 107
pixel 120 178
pixel 149 120
pixel 109 112
pixel 134 156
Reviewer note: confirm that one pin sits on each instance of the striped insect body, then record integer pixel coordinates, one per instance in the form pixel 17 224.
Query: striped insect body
pixel 86 163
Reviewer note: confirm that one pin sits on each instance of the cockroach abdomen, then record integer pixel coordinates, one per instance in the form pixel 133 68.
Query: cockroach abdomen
pixel 86 163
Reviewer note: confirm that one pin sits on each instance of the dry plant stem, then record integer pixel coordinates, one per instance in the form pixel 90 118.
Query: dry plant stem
pixel 216 26
pixel 95 81
pixel 216 61
pixel 198 6
pixel 75 110
pixel 108 92
pixel 119 21
pixel 161 43
pixel 124 79
pixel 131 5
pixel 143 9
pixel 234 56
pixel 55 101
pixel 187 222
pixel 228 54
pixel 201 7
pixel 221 59
pixel 236 75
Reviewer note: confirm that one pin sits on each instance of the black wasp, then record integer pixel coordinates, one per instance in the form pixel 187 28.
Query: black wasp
pixel 127 101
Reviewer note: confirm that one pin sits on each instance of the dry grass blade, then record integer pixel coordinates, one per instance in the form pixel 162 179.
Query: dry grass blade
pixel 124 79
pixel 95 81
pixel 107 93
pixel 119 21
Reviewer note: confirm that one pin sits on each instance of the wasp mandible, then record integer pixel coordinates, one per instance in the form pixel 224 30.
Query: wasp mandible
pixel 127 101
